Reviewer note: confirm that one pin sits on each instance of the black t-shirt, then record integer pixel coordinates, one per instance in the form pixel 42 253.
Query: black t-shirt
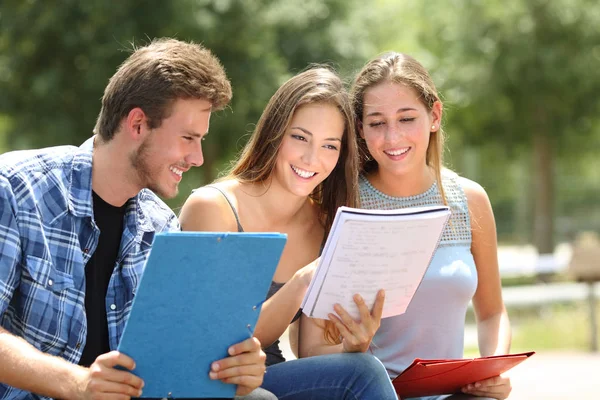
pixel 98 271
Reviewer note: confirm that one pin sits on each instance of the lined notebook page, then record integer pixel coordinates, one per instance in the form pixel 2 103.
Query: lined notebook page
pixel 369 250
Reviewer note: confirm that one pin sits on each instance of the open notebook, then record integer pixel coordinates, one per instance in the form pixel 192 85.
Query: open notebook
pixel 199 294
pixel 369 250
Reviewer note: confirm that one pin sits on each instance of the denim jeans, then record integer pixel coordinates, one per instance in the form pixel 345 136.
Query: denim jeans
pixel 330 377
pixel 257 394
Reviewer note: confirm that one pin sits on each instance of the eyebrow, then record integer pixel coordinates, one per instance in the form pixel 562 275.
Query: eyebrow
pixel 403 109
pixel 310 133
pixel 195 134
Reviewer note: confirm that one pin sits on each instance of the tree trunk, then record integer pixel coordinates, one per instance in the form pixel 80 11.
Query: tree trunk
pixel 543 213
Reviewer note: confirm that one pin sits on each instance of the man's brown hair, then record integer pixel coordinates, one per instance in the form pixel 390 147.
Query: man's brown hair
pixel 156 75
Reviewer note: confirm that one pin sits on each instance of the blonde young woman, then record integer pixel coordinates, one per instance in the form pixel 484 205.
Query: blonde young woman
pixel 298 167
pixel 399 115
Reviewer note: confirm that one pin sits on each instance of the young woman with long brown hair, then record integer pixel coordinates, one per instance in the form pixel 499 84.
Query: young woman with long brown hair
pixel 299 166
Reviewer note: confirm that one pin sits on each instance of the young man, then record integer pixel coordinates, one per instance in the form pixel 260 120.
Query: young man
pixel 77 224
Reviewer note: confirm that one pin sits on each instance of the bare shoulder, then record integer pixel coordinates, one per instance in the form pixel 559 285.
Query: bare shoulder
pixel 206 209
pixel 483 225
pixel 477 197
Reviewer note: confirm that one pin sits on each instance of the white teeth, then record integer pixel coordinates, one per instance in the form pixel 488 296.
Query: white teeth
pixel 397 152
pixel 303 173
pixel 176 171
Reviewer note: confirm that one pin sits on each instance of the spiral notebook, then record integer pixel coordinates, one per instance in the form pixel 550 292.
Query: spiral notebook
pixel 369 250
pixel 199 294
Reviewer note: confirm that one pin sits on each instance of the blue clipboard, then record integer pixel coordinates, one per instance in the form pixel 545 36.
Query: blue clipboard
pixel 199 294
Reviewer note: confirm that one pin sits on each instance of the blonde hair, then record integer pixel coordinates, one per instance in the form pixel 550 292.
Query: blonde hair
pixel 257 159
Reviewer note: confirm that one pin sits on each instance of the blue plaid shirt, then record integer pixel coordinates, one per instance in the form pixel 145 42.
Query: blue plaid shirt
pixel 48 234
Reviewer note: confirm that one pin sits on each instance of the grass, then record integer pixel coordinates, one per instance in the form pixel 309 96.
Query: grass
pixel 555 327
pixel 559 327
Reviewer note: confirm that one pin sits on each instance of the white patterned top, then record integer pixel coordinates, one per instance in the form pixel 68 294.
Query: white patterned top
pixel 434 322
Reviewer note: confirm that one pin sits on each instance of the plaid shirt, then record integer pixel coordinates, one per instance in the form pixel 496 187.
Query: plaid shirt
pixel 48 234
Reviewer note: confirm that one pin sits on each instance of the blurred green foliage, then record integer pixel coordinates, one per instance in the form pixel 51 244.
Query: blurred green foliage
pixel 559 326
pixel 57 56
pixel 519 81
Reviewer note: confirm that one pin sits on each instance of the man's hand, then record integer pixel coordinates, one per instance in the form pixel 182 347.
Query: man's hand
pixel 102 381
pixel 245 367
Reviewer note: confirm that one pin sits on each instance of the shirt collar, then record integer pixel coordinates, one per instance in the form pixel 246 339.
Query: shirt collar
pixel 80 185
pixel 80 191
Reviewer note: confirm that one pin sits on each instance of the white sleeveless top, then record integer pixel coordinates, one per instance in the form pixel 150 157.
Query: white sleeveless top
pixel 434 323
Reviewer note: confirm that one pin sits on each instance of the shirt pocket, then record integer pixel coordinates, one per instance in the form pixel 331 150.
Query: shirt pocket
pixel 44 274
pixel 46 306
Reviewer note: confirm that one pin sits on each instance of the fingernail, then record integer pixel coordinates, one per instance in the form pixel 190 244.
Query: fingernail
pixel 357 297
pixel 213 375
pixel 230 351
pixel 139 394
pixel 330 316
pixel 215 366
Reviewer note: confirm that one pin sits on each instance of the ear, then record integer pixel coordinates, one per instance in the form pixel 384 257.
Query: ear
pixel 136 124
pixel 436 116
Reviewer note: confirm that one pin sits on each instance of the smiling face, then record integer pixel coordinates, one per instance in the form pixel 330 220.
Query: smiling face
pixel 172 148
pixel 310 148
pixel 396 126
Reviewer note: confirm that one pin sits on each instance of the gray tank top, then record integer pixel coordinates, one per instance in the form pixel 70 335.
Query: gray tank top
pixel 434 323
pixel 273 352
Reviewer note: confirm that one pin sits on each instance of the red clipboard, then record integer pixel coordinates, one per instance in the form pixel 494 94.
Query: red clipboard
pixel 434 377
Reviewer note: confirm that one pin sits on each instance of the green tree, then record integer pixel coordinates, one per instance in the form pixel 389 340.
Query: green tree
pixel 522 74
pixel 56 58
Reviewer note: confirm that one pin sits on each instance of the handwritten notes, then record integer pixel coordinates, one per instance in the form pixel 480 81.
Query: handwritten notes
pixel 369 250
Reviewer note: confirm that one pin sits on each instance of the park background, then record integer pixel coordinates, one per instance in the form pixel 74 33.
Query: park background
pixel 520 80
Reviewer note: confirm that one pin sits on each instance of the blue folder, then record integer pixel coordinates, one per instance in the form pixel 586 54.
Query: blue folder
pixel 199 294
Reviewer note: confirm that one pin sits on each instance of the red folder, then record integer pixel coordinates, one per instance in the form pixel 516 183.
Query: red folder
pixel 434 377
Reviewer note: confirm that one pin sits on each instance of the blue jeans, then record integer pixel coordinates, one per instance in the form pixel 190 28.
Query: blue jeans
pixel 354 376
